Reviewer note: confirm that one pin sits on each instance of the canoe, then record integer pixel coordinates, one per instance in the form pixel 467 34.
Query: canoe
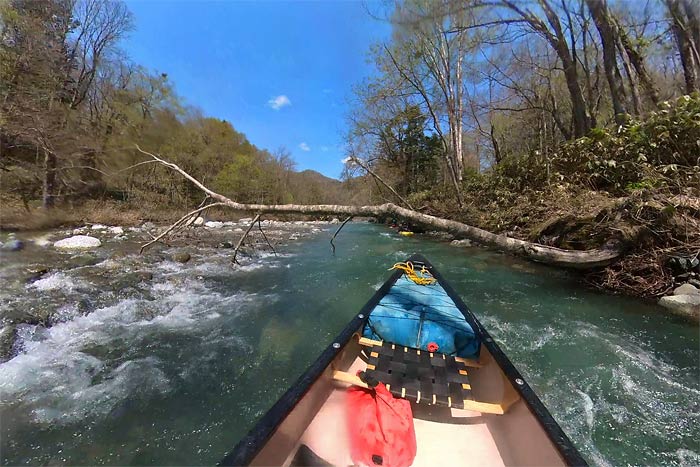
pixel 460 399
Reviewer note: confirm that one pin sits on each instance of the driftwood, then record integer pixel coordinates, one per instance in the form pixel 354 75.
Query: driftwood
pixel 577 259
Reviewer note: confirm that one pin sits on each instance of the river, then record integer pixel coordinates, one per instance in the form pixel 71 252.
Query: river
pixel 176 369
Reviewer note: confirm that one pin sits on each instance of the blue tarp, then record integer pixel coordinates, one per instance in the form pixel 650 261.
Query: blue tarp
pixel 415 315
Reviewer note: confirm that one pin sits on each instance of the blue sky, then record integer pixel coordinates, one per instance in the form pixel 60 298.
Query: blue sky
pixel 280 72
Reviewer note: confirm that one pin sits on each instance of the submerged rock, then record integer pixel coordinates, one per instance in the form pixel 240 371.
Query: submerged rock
pixel 13 245
pixel 464 242
pixel 181 257
pixel 78 242
pixel 35 273
pixel 8 335
pixel 687 306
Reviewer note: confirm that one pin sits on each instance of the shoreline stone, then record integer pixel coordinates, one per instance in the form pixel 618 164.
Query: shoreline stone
pixel 78 242
pixel 687 306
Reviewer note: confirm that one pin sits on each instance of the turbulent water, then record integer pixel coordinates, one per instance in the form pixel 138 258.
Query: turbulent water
pixel 175 369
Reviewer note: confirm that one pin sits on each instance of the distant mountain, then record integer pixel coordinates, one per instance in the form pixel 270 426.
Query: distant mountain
pixel 311 187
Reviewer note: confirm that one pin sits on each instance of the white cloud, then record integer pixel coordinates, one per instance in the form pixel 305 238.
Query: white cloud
pixel 304 147
pixel 279 102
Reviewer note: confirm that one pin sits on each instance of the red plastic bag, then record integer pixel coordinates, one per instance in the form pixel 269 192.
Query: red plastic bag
pixel 380 428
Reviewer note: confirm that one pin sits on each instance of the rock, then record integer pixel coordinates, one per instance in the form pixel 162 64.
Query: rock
pixel 226 245
pixel 695 283
pixel 148 226
pixel 8 335
pixel 214 224
pixel 465 242
pixel 198 221
pixel 145 275
pixel 686 289
pixel 98 227
pixel 81 261
pixel 116 230
pixel 245 220
pixel 42 240
pixel 687 306
pixel 181 257
pixel 13 245
pixel 77 242
pixel 35 273
pixel 335 220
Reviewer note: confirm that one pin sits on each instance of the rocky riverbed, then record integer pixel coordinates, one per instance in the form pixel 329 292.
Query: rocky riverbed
pixel 52 277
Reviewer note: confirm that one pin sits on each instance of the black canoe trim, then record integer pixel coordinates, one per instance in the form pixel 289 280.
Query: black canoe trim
pixel 248 447
pixel 555 433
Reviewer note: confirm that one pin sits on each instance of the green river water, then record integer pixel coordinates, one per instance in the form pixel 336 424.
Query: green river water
pixel 177 370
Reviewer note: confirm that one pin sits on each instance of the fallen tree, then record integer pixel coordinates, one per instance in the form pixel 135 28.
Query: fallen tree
pixel 578 259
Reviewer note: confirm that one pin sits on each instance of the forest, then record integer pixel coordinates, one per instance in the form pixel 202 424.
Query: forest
pixel 566 124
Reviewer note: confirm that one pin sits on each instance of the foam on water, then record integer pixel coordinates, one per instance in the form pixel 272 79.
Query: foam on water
pixel 58 378
pixel 56 281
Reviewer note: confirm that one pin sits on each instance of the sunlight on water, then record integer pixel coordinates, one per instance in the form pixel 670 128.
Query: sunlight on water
pixel 176 369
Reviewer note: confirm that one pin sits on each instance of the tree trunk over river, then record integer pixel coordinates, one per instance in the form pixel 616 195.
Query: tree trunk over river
pixel 578 259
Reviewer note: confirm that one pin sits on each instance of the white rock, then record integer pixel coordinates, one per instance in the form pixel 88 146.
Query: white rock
pixel 199 221
pixel 245 220
pixel 77 242
pixel 98 227
pixel 684 305
pixel 238 229
pixel 335 220
pixel 116 230
pixel 686 289
pixel 214 224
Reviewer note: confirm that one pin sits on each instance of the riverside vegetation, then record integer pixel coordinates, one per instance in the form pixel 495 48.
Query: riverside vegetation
pixel 571 125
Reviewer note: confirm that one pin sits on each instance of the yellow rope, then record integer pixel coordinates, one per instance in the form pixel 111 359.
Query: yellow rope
pixel 422 277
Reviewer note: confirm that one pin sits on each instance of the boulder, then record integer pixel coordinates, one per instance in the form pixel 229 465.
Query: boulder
pixel 687 306
pixel 686 289
pixel 198 221
pixel 214 224
pixel 335 220
pixel 181 257
pixel 116 230
pixel 13 245
pixel 98 227
pixel 78 242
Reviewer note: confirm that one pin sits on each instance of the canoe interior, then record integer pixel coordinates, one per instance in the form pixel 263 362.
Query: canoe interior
pixel 444 436
pixel 500 422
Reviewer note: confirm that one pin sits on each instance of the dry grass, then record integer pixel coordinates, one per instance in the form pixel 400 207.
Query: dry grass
pixel 14 216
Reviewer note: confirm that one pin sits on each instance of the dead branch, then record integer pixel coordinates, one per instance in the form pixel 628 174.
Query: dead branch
pixel 366 168
pixel 240 241
pixel 578 259
pixel 338 231
pixel 181 222
pixel 265 237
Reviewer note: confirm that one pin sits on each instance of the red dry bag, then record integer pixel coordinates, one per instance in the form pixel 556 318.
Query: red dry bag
pixel 380 428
